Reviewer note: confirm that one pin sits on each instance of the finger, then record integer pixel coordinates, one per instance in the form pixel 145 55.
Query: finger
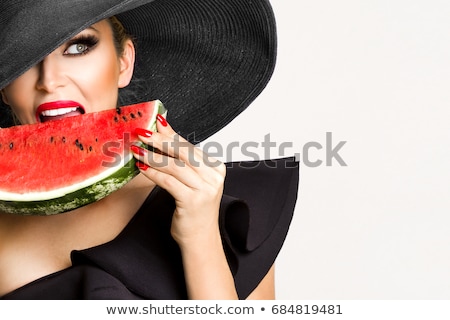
pixel 168 165
pixel 211 170
pixel 181 148
pixel 169 142
pixel 174 186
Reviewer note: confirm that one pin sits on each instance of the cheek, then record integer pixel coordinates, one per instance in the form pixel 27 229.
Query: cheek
pixel 11 94
pixel 99 83
pixel 19 95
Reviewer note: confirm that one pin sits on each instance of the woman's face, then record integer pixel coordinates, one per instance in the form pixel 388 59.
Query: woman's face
pixel 82 75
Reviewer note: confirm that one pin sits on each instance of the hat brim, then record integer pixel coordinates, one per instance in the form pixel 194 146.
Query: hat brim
pixel 207 60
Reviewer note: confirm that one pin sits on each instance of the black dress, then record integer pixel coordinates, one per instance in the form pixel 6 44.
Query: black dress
pixel 144 262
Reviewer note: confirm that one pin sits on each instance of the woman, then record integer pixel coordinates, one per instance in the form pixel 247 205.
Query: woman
pixel 185 230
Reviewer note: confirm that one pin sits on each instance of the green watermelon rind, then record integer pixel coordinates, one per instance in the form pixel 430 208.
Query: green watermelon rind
pixel 75 196
pixel 76 199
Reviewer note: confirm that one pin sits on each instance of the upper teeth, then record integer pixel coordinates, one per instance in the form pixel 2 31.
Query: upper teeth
pixel 58 112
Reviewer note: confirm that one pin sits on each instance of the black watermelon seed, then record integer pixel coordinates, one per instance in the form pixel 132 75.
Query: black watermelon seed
pixel 119 111
pixel 11 145
pixel 51 139
pixel 96 139
pixel 116 119
pixel 90 148
pixel 64 139
pixel 77 143
pixel 139 114
pixel 124 118
pixel 81 147
pixel 132 115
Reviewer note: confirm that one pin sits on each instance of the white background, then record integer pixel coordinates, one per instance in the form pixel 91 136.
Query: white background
pixel 375 74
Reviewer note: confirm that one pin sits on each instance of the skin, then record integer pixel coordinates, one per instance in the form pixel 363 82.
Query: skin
pixel 34 246
pixel 91 79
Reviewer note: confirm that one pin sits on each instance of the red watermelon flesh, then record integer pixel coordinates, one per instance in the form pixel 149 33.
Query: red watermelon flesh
pixel 59 165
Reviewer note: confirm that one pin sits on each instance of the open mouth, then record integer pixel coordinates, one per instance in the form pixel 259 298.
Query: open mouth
pixel 58 110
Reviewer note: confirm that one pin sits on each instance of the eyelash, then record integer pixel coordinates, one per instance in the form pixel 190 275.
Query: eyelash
pixel 89 41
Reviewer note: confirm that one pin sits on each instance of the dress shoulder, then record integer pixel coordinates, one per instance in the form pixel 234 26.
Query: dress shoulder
pixel 257 209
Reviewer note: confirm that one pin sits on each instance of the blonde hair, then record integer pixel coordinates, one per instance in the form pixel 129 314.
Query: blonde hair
pixel 120 36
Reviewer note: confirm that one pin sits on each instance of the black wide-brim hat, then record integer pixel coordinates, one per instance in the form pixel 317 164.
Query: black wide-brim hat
pixel 206 60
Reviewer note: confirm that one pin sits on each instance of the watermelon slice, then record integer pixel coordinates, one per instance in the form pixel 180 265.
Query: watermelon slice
pixel 60 165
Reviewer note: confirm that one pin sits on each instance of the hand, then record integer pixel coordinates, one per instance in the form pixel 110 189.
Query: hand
pixel 194 179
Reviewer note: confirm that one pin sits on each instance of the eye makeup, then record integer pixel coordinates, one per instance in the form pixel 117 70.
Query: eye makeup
pixel 81 44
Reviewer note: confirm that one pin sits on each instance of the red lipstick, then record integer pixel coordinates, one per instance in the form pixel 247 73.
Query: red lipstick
pixel 58 109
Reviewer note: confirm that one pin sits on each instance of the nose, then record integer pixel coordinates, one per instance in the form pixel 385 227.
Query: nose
pixel 51 75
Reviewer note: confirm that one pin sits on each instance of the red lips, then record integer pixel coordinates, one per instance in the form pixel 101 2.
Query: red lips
pixel 58 109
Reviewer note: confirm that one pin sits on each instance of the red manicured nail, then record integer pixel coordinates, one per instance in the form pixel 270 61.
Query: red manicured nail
pixel 142 166
pixel 143 133
pixel 161 120
pixel 138 150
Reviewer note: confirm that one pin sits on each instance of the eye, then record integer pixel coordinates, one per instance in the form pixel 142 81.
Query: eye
pixel 81 45
pixel 77 48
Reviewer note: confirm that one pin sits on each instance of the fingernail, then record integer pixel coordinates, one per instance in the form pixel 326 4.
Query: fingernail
pixel 142 166
pixel 138 150
pixel 143 133
pixel 161 120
